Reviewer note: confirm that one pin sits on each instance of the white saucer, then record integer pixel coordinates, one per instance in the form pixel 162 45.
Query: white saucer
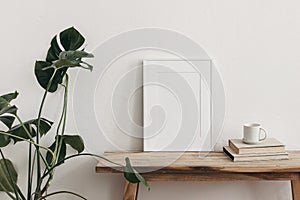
pixel 251 142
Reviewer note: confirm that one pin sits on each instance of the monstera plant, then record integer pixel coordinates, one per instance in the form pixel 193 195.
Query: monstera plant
pixel 51 74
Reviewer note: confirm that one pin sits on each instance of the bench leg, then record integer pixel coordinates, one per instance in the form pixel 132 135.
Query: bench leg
pixel 130 191
pixel 296 189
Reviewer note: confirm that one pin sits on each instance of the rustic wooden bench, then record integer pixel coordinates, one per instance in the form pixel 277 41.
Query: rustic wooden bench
pixel 195 166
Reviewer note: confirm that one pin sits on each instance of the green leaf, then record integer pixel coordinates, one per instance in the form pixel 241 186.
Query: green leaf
pixel 53 51
pixel 132 175
pixel 10 96
pixel 6 110
pixel 6 168
pixel 18 130
pixel 71 39
pixel 62 152
pixel 3 103
pixel 75 141
pixel 75 55
pixel 6 99
pixel 43 74
pixel 21 132
pixel 64 63
pixel 90 67
pixel 73 59
pixel 4 140
pixel 45 125
pixel 9 110
pixel 7 120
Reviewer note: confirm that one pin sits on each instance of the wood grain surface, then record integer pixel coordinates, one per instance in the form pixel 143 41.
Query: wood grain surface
pixel 295 184
pixel 195 162
pixel 130 191
pixel 201 166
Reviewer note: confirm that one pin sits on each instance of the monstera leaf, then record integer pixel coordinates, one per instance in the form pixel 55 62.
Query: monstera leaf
pixel 44 72
pixel 7 115
pixel 132 175
pixel 8 176
pixel 59 60
pixel 4 140
pixel 75 141
pixel 8 121
pixel 6 110
pixel 73 59
pixel 62 151
pixel 31 125
pixel 7 98
pixel 70 39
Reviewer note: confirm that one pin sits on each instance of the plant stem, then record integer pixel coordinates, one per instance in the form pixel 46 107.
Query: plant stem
pixel 24 127
pixel 65 104
pixel 31 139
pixel 64 115
pixel 29 178
pixel 9 175
pixel 20 192
pixel 38 161
pixel 61 192
pixel 62 120
pixel 58 143
pixel 81 154
pixel 29 183
pixel 11 196
pixel 32 168
pixel 20 138
pixel 37 191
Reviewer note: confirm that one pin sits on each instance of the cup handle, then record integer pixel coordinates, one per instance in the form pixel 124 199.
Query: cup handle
pixel 265 134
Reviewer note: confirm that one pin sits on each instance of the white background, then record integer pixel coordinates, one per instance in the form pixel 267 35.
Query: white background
pixel 254 43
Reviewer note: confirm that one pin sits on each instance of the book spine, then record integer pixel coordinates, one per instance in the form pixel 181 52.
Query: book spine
pixel 228 154
pixel 234 148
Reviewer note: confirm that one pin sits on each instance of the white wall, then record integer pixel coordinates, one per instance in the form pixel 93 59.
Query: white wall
pixel 255 44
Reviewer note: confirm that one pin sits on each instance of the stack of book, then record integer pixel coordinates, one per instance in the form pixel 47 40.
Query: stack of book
pixel 269 149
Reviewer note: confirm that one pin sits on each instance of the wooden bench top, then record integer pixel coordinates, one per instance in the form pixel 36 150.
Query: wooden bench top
pixel 196 166
pixel 195 162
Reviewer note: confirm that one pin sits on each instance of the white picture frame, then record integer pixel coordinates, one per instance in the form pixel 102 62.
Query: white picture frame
pixel 177 105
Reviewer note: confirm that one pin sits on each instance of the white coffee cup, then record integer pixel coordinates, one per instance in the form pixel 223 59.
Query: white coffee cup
pixel 254 133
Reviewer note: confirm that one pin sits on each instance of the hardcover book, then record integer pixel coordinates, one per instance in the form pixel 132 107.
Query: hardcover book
pixel 270 145
pixel 254 157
